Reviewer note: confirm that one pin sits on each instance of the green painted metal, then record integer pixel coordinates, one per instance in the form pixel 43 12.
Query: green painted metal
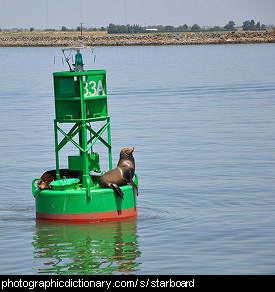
pixel 65 184
pixel 81 100
pixel 75 162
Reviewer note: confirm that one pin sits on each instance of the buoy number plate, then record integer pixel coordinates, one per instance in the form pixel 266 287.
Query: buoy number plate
pixel 93 88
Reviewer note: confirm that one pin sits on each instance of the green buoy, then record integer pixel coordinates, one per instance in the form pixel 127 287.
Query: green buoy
pixel 81 105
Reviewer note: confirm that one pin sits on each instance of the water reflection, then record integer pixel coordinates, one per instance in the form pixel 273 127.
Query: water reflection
pixel 102 248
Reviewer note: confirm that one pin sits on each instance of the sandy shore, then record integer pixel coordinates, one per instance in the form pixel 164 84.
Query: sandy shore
pixel 138 39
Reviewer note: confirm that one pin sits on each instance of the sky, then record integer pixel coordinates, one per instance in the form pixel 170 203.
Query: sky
pixel 42 14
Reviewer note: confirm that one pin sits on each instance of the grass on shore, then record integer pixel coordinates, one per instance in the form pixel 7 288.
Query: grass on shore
pixel 51 33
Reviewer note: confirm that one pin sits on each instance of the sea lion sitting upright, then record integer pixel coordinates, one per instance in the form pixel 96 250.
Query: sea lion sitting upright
pixel 121 175
pixel 50 175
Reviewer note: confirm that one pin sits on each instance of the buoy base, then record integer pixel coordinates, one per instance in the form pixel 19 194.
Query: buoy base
pixel 78 205
pixel 90 217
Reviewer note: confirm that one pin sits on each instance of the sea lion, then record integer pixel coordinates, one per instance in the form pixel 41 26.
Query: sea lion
pixel 50 175
pixel 121 175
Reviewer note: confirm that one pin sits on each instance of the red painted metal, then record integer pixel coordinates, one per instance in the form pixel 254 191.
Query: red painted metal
pixel 90 217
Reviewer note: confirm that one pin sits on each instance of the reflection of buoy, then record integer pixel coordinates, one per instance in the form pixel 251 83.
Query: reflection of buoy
pixel 115 242
pixel 81 102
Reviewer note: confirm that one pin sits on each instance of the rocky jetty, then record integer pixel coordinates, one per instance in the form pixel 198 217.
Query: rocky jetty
pixel 188 38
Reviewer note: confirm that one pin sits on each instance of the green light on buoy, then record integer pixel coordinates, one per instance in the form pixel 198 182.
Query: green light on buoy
pixel 79 66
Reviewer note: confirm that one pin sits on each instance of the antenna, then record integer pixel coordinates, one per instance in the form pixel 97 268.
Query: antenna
pixel 47 14
pixel 81 28
pixel 125 12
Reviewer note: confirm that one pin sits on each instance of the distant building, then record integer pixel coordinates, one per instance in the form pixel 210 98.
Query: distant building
pixel 151 29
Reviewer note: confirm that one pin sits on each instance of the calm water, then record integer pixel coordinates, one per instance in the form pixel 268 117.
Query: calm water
pixel 202 121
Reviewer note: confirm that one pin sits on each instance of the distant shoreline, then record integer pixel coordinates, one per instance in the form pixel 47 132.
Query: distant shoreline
pixel 41 39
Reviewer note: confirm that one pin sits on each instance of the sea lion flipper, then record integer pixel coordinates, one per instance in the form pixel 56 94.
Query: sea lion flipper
pixel 135 188
pixel 117 189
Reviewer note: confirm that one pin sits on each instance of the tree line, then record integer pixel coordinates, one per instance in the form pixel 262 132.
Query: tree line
pixel 230 26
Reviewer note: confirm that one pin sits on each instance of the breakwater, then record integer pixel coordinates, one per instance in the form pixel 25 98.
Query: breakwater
pixel 187 38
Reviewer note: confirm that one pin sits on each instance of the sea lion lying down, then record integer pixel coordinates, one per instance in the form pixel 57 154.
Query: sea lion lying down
pixel 50 175
pixel 121 175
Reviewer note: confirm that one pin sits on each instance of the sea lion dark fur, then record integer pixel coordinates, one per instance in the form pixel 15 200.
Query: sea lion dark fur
pixel 121 175
pixel 50 175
